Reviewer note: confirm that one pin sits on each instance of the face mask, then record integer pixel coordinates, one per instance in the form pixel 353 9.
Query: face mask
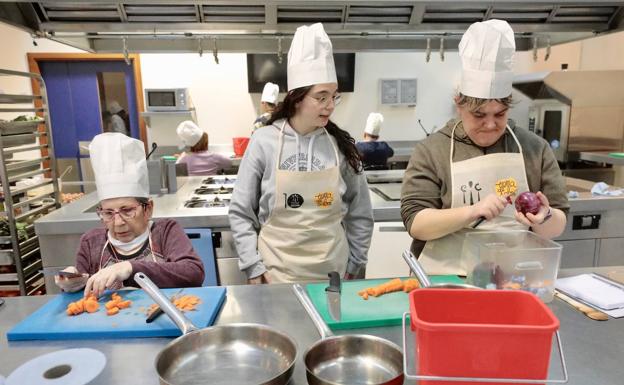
pixel 131 246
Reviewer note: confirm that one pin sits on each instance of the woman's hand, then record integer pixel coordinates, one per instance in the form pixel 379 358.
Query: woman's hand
pixel 264 278
pixel 71 284
pixel 107 277
pixel 348 276
pixel 533 220
pixel 490 207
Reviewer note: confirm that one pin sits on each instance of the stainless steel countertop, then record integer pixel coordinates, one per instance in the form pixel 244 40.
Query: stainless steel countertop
pixel 72 218
pixel 593 349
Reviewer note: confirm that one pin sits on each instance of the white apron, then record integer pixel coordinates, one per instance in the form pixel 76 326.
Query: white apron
pixel 303 238
pixel 471 180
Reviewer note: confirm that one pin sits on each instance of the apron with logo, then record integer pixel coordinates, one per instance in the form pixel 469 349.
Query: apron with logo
pixel 471 180
pixel 303 238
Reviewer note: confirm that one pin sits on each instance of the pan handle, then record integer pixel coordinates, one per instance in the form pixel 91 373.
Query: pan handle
pixel 413 264
pixel 322 327
pixel 176 315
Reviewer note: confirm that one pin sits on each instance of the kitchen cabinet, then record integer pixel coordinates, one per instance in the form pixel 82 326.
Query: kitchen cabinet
pixel 577 253
pixel 388 242
pixel 611 252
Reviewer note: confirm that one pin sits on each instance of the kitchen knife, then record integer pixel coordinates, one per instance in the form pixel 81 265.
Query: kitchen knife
pixel 333 295
pixel 158 311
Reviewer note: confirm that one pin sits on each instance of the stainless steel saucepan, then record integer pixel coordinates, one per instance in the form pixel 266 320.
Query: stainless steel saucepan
pixel 233 354
pixel 355 359
pixel 422 277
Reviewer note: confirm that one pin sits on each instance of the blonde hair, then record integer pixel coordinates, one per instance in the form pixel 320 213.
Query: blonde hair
pixel 473 104
pixel 202 145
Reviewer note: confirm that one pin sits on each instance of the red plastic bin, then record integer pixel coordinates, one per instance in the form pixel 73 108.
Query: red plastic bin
pixel 240 145
pixel 481 333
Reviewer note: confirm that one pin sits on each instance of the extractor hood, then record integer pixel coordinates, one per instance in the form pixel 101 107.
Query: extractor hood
pixel 267 26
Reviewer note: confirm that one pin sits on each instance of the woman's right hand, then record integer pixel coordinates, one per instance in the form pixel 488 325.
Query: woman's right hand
pixel 490 207
pixel 73 284
pixel 264 278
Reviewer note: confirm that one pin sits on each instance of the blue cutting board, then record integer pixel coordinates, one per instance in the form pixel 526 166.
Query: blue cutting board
pixel 50 322
pixel 355 312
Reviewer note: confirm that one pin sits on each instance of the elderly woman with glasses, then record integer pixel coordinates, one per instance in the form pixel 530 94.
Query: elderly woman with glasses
pixel 130 241
pixel 301 207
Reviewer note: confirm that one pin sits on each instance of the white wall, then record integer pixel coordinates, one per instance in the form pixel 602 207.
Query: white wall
pixel 225 109
pixel 14 45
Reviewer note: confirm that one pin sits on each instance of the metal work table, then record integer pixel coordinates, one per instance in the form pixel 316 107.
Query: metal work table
pixel 593 349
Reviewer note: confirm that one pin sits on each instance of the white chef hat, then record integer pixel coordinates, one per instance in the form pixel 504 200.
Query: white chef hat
pixel 270 93
pixel 310 58
pixel 119 166
pixel 189 133
pixel 373 123
pixel 114 107
pixel 487 54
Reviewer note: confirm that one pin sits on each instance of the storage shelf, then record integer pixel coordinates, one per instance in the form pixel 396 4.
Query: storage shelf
pixel 22 254
pixel 18 99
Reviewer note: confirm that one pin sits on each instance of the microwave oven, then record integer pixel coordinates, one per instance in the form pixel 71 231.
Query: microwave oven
pixel 167 99
pixel 551 121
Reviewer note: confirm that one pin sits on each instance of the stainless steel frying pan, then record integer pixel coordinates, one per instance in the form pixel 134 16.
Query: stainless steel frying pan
pixel 233 354
pixel 355 359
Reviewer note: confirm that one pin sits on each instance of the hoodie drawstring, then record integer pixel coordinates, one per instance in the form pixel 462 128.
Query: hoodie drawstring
pixel 309 155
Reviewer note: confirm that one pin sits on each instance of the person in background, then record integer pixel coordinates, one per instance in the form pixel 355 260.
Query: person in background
pixel 268 102
pixel 120 120
pixel 374 153
pixel 449 183
pixel 199 161
pixel 301 206
pixel 129 242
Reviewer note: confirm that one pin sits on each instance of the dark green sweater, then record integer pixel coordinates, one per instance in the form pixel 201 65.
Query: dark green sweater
pixel 426 183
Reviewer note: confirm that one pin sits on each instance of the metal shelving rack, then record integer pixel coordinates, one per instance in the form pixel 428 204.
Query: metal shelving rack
pixel 20 257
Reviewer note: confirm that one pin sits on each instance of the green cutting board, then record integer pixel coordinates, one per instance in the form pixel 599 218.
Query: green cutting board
pixel 616 154
pixel 385 310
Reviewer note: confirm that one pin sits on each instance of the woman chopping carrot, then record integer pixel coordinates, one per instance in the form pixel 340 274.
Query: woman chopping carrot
pixel 130 241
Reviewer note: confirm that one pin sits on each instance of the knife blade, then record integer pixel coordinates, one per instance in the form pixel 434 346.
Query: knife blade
pixel 158 311
pixel 332 293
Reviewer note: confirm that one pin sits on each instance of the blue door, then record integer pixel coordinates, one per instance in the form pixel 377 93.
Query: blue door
pixel 80 94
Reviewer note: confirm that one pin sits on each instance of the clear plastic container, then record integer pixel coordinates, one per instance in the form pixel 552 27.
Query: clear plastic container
pixel 512 260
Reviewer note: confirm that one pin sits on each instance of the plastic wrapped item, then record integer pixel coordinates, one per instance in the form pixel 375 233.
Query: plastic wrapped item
pixel 512 260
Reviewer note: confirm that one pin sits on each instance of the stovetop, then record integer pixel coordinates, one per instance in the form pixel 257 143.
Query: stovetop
pixel 214 192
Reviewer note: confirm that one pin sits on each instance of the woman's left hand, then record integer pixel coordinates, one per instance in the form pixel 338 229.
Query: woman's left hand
pixel 532 220
pixel 107 277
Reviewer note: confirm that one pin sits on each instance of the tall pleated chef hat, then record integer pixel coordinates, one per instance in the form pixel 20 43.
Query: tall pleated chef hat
pixel 119 166
pixel 189 133
pixel 310 58
pixel 487 53
pixel 373 123
pixel 270 93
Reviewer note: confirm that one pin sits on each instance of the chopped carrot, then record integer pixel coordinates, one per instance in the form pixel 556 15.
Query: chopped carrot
pixel 124 304
pixel 112 311
pixel 91 306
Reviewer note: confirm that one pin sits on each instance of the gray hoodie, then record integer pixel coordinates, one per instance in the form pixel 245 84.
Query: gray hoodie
pixel 254 193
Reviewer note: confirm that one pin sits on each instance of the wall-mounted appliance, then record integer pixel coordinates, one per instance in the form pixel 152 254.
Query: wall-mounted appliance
pixel 167 99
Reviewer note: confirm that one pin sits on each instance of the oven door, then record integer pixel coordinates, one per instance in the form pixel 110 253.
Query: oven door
pixel 554 122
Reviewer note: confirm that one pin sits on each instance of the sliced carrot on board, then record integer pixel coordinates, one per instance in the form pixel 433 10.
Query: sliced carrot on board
pixel 112 311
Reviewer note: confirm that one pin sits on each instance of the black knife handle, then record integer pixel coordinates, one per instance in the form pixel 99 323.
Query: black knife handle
pixel 334 282
pixel 153 315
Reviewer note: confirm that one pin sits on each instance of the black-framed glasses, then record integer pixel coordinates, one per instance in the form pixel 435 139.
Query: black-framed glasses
pixel 126 212
pixel 325 100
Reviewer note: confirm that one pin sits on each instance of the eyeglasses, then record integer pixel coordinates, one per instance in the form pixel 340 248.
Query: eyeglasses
pixel 324 100
pixel 126 213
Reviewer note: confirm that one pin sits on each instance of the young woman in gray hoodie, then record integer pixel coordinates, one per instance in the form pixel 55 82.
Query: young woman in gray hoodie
pixel 301 206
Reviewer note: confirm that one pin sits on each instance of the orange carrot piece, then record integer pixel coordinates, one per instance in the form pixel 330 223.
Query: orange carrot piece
pixel 91 306
pixel 112 311
pixel 124 304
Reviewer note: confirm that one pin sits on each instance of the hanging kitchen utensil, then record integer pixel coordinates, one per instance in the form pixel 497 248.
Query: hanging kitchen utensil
pixel 223 354
pixel 349 359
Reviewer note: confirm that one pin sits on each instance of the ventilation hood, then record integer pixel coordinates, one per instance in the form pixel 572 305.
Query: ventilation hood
pixel 267 26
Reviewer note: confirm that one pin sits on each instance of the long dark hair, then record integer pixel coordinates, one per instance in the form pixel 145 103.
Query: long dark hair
pixel 346 144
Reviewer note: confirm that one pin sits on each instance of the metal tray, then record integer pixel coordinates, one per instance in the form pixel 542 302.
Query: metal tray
pixel 6 257
pixel 14 128
pixel 18 140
